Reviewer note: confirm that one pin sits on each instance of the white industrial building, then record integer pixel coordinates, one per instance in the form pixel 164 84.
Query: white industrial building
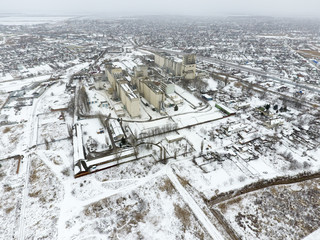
pixel 120 85
pixel 185 68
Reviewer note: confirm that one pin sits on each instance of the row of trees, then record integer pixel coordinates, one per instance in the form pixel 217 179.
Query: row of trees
pixel 160 130
pixel 83 103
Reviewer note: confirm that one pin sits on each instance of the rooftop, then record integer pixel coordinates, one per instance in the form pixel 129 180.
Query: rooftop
pixel 154 86
pixel 129 91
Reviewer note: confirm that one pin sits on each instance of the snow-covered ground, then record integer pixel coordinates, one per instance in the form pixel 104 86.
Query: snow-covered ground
pixel 211 155
pixel 13 138
pixel 15 85
pixel 135 213
pixel 275 212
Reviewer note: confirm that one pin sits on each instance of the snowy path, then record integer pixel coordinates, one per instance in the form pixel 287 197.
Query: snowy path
pixel 31 134
pixel 212 230
pixel 33 121
pixel 23 201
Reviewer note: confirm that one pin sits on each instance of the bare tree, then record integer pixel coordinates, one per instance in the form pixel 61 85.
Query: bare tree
pixel 71 106
pixel 117 154
pixel 102 119
pixel 226 80
pixel 175 154
pixel 83 101
pixel 185 150
pixel 69 127
pixel 164 156
pixel 133 141
pixel 250 89
pixel 135 151
pixel 46 142
pixel 263 95
pixel 201 147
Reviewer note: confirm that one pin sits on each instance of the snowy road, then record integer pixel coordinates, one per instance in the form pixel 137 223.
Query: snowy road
pixel 31 134
pixel 200 215
pixel 33 122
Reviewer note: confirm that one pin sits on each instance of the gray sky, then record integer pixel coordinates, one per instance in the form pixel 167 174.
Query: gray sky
pixel 180 7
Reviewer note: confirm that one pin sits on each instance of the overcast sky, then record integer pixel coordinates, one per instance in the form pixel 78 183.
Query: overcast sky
pixel 180 7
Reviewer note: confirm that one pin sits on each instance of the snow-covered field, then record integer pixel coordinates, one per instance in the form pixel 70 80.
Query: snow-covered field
pixel 276 212
pixel 213 155
pixel 52 131
pixel 13 138
pixel 42 207
pixel 3 98
pixel 152 211
pixel 15 85
pixel 10 192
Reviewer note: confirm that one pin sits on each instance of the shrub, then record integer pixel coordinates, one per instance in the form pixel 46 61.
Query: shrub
pixel 7 129
pixel 183 214
pixel 167 186
pixel 66 172
pixel 8 210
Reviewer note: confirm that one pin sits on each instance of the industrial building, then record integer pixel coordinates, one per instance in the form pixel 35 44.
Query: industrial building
pixel 140 74
pixel 79 159
pixel 167 87
pixel 140 71
pixel 113 74
pixel 121 87
pixel 225 109
pixel 185 68
pixel 188 70
pixel 130 100
pixel 151 91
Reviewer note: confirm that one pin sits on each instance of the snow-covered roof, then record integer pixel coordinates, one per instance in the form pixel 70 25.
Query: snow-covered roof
pixel 117 130
pixel 129 91
pixel 173 138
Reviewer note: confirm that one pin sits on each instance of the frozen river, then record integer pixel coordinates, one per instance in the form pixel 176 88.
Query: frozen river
pixel 17 19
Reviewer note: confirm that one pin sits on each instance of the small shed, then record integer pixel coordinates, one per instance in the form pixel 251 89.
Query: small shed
pixel 207 97
pixel 119 110
pixel 174 138
pixel 225 109
pixel 116 130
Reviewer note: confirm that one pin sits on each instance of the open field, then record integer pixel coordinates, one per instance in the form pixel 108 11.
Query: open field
pixel 309 53
pixel 136 215
pixel 12 137
pixel 275 212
